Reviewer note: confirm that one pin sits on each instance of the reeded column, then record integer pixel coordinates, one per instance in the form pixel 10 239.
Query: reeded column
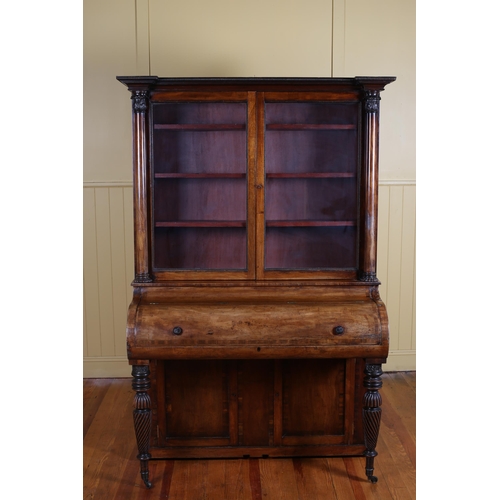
pixel 140 102
pixel 370 192
pixel 142 417
pixel 371 415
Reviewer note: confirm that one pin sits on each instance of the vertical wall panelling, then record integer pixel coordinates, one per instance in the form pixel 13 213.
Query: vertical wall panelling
pixel 128 217
pixel 414 310
pixel 383 240
pixel 394 261
pixel 108 272
pixel 407 285
pixel 90 276
pixel 118 268
pixel 104 262
pixel 396 268
pixel 84 318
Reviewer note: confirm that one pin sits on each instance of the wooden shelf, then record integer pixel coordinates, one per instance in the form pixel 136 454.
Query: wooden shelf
pixel 311 175
pixel 310 223
pixel 202 223
pixel 280 175
pixel 309 126
pixel 201 127
pixel 199 176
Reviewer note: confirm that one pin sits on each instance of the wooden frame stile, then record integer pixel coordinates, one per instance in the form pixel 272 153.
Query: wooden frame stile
pixel 160 412
pixel 252 162
pixel 278 403
pixel 260 225
pixel 233 402
pixel 349 400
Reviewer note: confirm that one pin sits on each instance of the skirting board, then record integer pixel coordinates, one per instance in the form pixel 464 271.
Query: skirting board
pixel 118 367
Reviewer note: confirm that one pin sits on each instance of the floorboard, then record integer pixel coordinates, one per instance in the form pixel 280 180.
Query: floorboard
pixel 111 469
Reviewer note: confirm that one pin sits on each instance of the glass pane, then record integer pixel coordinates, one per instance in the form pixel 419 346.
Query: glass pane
pixel 311 197
pixel 200 187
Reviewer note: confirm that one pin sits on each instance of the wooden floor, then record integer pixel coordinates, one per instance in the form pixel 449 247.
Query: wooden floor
pixel 111 470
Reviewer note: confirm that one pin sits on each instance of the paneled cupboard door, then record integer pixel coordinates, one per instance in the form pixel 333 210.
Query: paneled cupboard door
pixel 203 164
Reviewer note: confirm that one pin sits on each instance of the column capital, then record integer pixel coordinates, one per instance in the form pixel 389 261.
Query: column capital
pixel 140 101
pixel 372 100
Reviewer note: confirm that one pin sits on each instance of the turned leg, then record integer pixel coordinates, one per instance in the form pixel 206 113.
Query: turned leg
pixel 371 415
pixel 142 417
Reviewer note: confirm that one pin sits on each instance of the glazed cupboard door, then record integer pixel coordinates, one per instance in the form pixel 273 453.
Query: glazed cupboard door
pixel 252 185
pixel 308 167
pixel 202 185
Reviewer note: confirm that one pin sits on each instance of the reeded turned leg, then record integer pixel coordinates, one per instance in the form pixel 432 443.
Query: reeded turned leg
pixel 371 415
pixel 142 417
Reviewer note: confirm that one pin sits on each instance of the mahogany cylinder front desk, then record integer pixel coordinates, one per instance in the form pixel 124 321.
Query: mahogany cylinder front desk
pixel 256 326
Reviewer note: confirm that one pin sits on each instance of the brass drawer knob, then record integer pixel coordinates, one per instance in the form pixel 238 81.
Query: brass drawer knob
pixel 177 330
pixel 338 330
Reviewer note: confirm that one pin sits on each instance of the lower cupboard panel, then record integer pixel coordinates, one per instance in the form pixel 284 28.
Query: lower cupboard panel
pixel 235 408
